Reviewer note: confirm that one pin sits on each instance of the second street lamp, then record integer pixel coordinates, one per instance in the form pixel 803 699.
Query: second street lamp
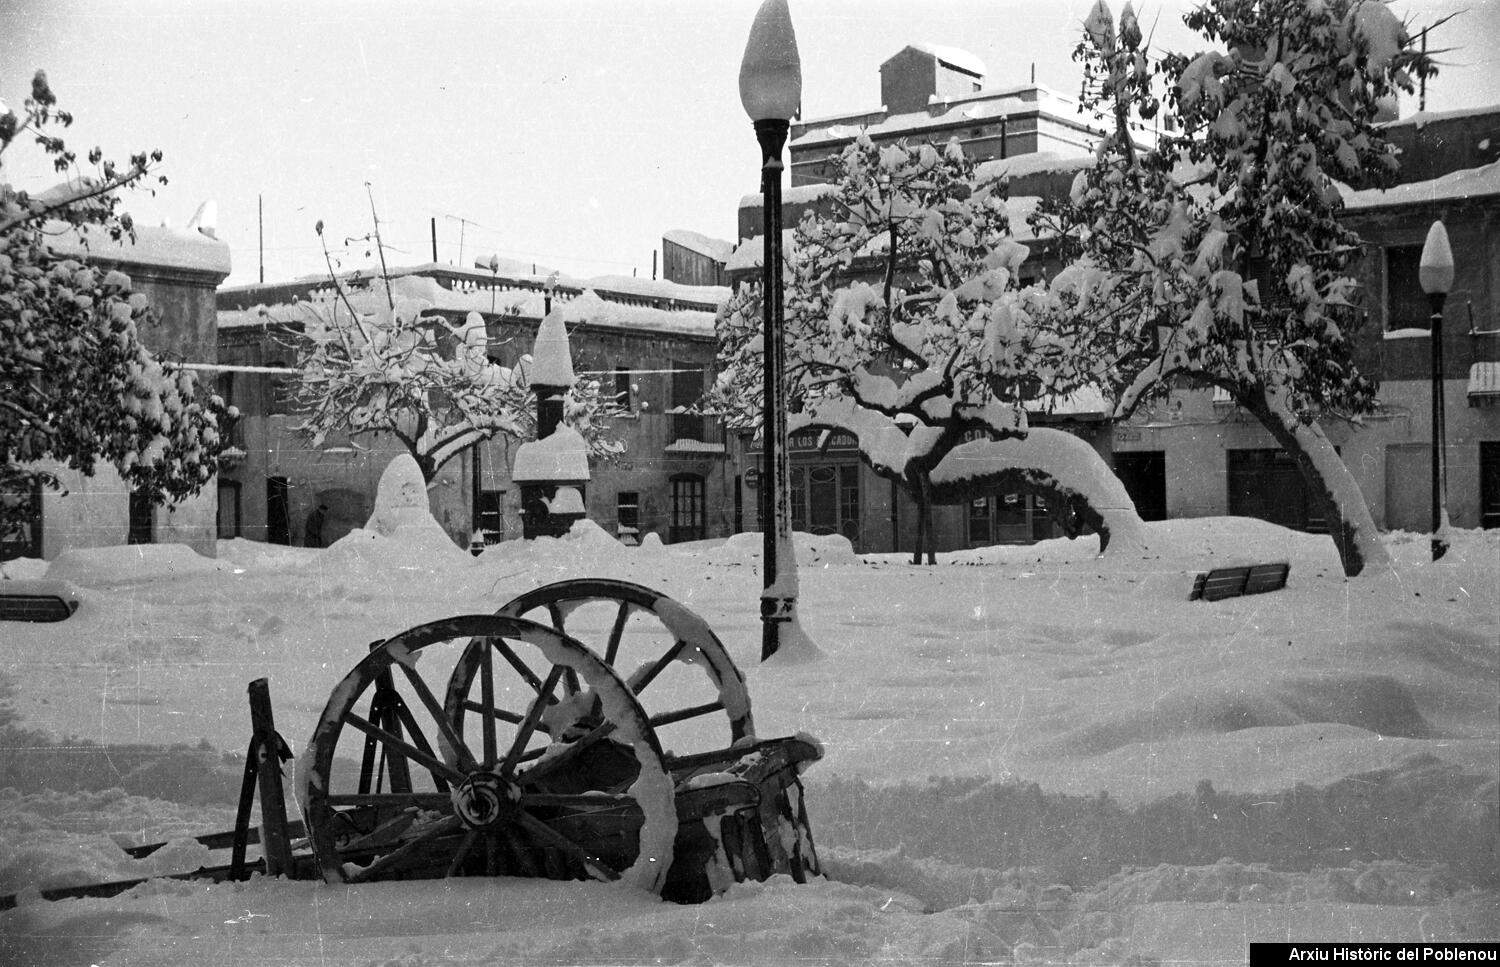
pixel 1435 271
pixel 771 91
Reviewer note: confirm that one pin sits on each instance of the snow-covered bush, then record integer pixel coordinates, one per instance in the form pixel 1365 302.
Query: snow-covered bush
pixel 75 382
pixel 1216 256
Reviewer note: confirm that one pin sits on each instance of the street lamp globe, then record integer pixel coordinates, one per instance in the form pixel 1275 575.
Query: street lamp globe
pixel 1435 270
pixel 771 71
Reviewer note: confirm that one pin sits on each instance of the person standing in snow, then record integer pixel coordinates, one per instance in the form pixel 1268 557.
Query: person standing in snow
pixel 312 531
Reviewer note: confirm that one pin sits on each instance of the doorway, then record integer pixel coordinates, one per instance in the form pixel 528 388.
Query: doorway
pixel 278 511
pixel 1144 476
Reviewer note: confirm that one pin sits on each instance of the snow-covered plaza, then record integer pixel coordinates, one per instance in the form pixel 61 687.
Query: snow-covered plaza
pixel 1032 754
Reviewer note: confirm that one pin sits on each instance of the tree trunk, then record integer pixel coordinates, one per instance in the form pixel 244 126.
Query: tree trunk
pixel 1328 480
pixel 425 464
pixel 921 488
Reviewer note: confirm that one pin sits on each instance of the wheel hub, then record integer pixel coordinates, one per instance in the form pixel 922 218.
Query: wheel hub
pixel 485 800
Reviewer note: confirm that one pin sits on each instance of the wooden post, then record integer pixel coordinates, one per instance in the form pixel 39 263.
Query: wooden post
pixel 275 845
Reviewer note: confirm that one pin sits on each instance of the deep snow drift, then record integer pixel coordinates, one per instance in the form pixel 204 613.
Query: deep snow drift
pixel 1033 755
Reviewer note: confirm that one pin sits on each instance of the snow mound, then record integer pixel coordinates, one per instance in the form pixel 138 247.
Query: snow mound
pixel 1375 703
pixel 812 549
pixel 130 564
pixel 23 568
pixel 257 555
pixel 401 530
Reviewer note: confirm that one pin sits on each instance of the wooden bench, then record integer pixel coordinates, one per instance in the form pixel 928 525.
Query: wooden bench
pixel 1232 582
pixel 36 600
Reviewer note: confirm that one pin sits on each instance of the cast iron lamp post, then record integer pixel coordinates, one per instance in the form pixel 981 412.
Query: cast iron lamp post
pixel 1436 274
pixel 771 91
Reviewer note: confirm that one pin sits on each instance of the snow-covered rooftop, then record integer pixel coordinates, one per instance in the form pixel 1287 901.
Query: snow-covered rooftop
pixel 587 308
pixel 714 248
pixel 800 195
pixel 1467 183
pixel 159 245
pixel 622 284
pixel 956 111
pixel 954 57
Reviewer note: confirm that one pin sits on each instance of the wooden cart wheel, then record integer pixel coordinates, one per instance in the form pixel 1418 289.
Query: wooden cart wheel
pixel 549 784
pixel 648 638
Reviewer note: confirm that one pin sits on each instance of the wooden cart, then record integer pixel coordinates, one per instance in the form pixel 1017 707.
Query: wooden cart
pixel 484 745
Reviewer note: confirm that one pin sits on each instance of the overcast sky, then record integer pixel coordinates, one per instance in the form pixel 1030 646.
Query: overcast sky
pixel 571 133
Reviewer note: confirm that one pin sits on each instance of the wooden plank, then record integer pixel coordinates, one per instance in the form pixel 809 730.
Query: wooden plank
pixel 1230 582
pixel 277 850
pixel 33 607
pixel 37 599
pixel 224 840
pixel 1267 577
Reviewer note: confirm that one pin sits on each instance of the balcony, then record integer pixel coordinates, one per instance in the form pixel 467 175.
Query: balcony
pixel 695 433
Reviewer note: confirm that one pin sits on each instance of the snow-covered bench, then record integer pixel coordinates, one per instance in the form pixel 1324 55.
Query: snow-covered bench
pixel 1231 582
pixel 36 600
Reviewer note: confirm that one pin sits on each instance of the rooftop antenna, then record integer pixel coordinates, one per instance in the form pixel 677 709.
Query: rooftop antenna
pixel 1033 72
pixel 380 247
pixel 1422 97
pixel 462 224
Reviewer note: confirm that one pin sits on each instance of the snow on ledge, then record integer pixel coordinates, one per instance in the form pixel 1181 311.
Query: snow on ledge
pixel 1408 333
pixel 561 456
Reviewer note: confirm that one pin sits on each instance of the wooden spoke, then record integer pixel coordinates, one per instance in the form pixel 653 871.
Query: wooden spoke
pixel 421 800
pixel 658 668
pixel 520 666
pixel 527 727
pixel 401 853
pixel 435 765
pixel 398 765
pixel 487 701
pixel 555 613
pixel 462 853
pixel 558 841
pixel 616 634
pixel 435 709
pixel 575 802
pixel 566 757
pixel 383 833
pixel 504 715
pixel 683 714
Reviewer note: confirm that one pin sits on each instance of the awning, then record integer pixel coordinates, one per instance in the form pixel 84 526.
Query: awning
pixel 1484 384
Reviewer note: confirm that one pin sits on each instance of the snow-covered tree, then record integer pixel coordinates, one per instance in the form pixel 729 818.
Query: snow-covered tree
pixel 76 385
pixel 907 329
pixel 1217 257
pixel 382 361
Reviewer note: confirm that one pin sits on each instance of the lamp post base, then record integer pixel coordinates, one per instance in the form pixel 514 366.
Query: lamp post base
pixel 776 616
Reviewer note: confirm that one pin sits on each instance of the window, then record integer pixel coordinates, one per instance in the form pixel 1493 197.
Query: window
pixel 278 511
pixel 25 538
pixel 689 517
pixel 623 394
pixel 628 509
pixel 279 389
pixel 490 515
pixel 142 529
pixel 1405 302
pixel 981 514
pixel 687 390
pixel 229 510
pixel 224 386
